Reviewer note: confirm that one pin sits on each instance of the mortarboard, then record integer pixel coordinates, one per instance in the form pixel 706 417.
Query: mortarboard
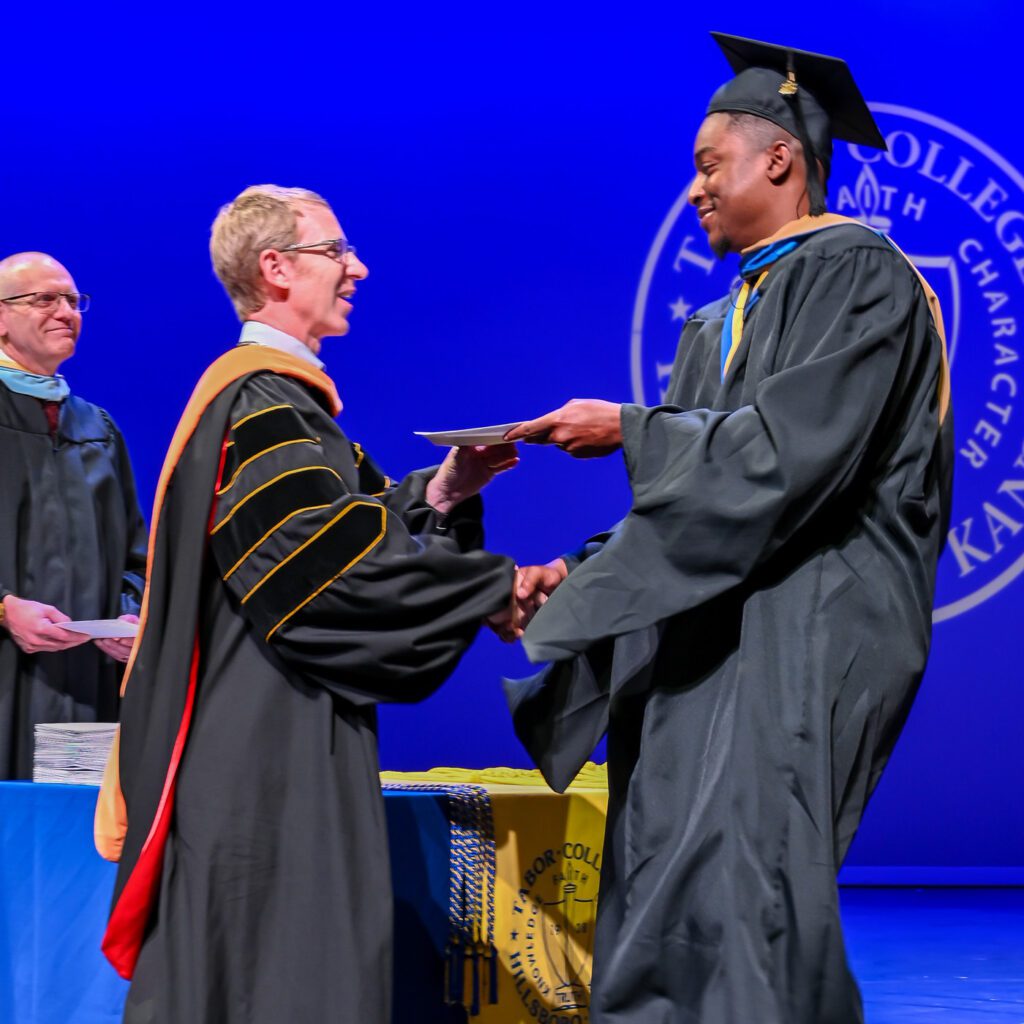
pixel 811 96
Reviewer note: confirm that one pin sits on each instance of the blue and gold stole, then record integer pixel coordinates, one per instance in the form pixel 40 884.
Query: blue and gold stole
pixel 757 260
pixel 16 378
pixel 754 265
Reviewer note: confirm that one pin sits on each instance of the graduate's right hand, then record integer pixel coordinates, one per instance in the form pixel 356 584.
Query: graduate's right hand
pixel 534 585
pixel 33 628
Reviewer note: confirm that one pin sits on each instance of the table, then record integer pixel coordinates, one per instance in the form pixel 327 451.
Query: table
pixel 55 893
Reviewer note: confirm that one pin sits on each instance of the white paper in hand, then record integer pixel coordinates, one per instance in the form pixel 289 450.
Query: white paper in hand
pixel 101 629
pixel 470 435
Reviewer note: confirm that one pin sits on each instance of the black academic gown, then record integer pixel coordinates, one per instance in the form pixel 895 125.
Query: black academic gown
pixel 71 535
pixel 318 588
pixel 769 595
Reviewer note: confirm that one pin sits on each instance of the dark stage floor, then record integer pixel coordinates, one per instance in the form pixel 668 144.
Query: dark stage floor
pixel 942 955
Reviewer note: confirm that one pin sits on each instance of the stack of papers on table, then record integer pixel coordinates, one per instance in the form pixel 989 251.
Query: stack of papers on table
pixel 75 752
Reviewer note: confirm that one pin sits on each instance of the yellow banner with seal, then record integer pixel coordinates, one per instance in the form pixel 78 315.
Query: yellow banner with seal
pixel 548 869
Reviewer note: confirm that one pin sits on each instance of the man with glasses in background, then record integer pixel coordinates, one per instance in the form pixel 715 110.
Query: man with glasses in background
pixel 292 587
pixel 72 540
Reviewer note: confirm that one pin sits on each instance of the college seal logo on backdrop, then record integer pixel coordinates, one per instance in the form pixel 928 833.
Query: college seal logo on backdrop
pixel 956 207
pixel 551 939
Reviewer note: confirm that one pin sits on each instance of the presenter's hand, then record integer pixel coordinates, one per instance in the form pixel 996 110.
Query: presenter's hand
pixel 503 622
pixel 33 628
pixel 118 647
pixel 466 471
pixel 586 428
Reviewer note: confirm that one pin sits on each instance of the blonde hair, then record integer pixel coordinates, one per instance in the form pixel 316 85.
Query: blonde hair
pixel 261 217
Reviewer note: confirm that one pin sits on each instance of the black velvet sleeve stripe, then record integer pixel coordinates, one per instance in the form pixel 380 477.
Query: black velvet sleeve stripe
pixel 267 504
pixel 266 536
pixel 233 477
pixel 316 563
pixel 256 433
pixel 258 413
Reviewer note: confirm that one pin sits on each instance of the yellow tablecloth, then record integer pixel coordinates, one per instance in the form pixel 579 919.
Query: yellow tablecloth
pixel 545 896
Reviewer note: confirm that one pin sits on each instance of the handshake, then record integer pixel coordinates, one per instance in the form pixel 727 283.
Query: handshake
pixel 531 587
pixel 585 429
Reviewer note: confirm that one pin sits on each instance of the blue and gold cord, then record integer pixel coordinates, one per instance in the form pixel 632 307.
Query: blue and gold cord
pixel 471 890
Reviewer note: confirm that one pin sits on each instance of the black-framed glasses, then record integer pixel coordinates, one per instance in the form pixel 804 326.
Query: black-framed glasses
pixel 336 248
pixel 50 300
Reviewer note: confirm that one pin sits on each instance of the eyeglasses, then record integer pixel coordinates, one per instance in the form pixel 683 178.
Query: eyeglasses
pixel 50 300
pixel 336 248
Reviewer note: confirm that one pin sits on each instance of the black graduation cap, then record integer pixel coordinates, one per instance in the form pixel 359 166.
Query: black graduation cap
pixel 811 96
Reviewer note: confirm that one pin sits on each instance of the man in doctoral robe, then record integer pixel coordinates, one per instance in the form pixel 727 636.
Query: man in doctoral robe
pixel 752 634
pixel 293 586
pixel 73 542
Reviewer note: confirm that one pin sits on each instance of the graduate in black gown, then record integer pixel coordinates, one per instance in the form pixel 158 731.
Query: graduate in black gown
pixel 752 634
pixel 293 586
pixel 72 538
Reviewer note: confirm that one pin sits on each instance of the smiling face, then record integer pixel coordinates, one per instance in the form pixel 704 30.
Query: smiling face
pixel 734 194
pixel 39 339
pixel 321 283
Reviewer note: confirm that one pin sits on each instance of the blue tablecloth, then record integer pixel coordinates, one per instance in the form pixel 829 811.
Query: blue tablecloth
pixel 55 893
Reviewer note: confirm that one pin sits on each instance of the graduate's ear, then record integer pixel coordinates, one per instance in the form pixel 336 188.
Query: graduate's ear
pixel 780 161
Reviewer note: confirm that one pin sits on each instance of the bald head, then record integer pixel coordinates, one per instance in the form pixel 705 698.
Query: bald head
pixel 21 266
pixel 40 327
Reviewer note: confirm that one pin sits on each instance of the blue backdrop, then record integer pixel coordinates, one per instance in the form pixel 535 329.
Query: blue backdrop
pixel 511 175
